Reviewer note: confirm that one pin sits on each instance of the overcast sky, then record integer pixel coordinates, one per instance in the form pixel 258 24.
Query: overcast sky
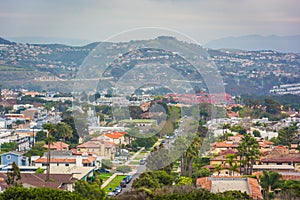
pixel 96 20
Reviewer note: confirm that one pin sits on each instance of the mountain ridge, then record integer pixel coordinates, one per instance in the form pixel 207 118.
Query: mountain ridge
pixel 285 44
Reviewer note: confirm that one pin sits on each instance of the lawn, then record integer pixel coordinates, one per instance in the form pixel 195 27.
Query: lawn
pixel 105 176
pixel 114 183
pixel 134 162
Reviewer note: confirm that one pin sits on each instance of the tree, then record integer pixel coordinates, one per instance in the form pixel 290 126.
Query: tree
pixel 41 136
pixel 38 193
pixel 88 190
pixel 248 150
pixel 9 146
pixel 272 106
pixel 13 175
pixel 183 180
pixel 39 170
pixel 269 181
pixel 218 168
pixel 192 152
pixel 290 189
pixel 287 135
pixel 124 169
pixel 50 140
pixel 64 131
pixel 256 133
pixel 231 160
pixel 37 150
pixel 153 179
pixel 224 127
pixel 239 129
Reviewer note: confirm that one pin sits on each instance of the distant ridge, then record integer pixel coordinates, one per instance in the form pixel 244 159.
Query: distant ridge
pixel 258 42
pixel 4 41
pixel 50 40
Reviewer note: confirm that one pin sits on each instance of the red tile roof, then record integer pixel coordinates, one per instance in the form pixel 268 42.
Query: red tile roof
pixel 59 146
pixel 255 190
pixel 225 144
pixel 204 183
pixel 115 134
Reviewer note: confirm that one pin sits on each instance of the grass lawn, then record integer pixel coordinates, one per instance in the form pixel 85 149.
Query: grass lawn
pixel 105 176
pixel 114 183
pixel 134 162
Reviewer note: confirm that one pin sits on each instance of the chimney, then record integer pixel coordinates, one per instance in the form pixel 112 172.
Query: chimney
pixel 79 161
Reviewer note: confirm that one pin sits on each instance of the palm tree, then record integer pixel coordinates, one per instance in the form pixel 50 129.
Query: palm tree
pixel 218 168
pixel 192 152
pixel 65 131
pixel 232 163
pixel 50 140
pixel 224 127
pixel 248 150
pixel 269 181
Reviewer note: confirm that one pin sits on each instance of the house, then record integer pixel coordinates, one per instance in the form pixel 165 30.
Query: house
pixel 100 148
pixel 80 173
pixel 277 168
pixel 139 122
pixel 65 158
pixel 280 155
pixel 9 157
pixel 223 184
pixel 58 146
pixel 225 145
pixel 58 181
pixel 116 137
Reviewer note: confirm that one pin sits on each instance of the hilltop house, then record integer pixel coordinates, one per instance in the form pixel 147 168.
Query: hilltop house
pixel 100 148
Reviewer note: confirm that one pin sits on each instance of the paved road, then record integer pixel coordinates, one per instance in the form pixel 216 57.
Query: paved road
pixel 139 170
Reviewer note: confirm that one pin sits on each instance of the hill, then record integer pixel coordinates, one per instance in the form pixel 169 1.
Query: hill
pixel 54 66
pixel 258 42
pixel 3 41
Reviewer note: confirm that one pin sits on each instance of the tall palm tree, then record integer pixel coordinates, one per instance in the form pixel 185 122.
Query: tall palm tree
pixel 192 152
pixel 65 131
pixel 50 140
pixel 232 162
pixel 248 150
pixel 218 168
pixel 269 181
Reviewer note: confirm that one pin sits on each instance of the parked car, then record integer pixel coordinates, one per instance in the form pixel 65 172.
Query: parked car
pixel 103 170
pixel 123 184
pixel 127 179
pixel 142 162
pixel 117 162
pixel 117 190
pixel 111 194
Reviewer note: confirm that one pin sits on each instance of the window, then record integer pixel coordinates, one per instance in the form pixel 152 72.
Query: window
pixel 8 157
pixel 67 164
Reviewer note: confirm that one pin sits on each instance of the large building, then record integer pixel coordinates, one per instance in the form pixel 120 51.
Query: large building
pixel 223 184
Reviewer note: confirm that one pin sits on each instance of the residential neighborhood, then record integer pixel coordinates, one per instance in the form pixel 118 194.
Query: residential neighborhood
pixel 37 137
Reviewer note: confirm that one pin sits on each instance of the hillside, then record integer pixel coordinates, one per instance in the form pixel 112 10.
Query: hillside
pixel 258 42
pixel 52 66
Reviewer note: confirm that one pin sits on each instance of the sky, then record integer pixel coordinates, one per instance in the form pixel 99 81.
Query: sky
pixel 97 20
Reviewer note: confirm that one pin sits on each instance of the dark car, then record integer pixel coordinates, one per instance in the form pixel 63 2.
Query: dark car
pixel 142 162
pixel 117 190
pixel 127 179
pixel 123 184
pixel 102 170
